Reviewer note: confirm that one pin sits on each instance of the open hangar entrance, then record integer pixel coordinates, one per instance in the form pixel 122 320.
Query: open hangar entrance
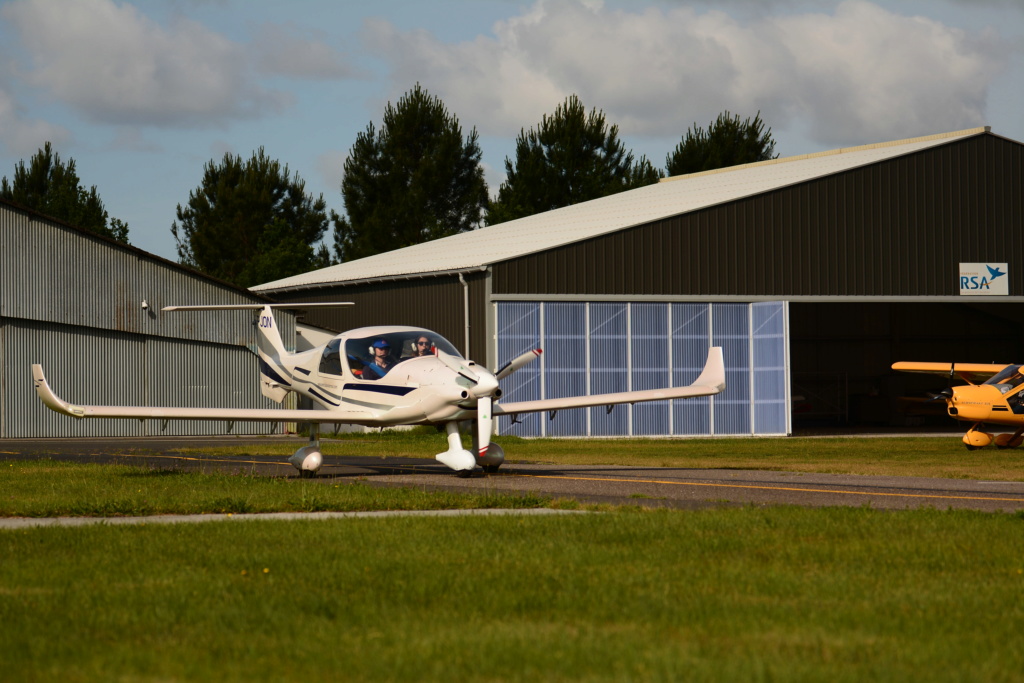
pixel 841 356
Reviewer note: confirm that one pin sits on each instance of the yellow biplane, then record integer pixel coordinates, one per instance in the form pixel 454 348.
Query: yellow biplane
pixel 994 395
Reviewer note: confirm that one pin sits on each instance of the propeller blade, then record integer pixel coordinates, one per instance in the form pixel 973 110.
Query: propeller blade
pixel 457 366
pixel 484 424
pixel 513 365
pixel 943 395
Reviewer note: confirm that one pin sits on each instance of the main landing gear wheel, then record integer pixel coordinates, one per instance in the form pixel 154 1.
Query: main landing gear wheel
pixel 465 474
pixel 1004 441
pixel 491 469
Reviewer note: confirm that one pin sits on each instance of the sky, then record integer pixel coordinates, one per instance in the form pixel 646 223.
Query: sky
pixel 143 94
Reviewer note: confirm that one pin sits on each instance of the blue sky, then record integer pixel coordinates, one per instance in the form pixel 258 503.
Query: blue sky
pixel 143 94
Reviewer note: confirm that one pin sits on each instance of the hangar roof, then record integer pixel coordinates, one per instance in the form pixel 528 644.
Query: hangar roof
pixel 671 197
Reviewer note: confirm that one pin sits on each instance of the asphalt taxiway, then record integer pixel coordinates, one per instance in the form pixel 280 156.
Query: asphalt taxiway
pixel 649 486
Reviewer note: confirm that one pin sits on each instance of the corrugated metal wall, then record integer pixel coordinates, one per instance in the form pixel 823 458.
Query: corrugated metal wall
pixel 595 348
pixel 102 367
pixel 896 228
pixel 53 273
pixel 73 301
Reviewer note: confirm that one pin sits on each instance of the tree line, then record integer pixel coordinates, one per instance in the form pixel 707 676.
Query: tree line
pixel 415 178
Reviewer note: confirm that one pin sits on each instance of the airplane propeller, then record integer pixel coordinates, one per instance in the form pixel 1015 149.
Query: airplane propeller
pixel 484 392
pixel 457 367
pixel 484 424
pixel 516 363
pixel 946 393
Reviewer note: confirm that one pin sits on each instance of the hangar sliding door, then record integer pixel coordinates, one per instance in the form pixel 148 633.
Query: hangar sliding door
pixel 602 347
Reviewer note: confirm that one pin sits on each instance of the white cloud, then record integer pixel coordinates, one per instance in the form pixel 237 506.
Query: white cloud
pixel 22 137
pixel 115 65
pixel 285 50
pixel 858 73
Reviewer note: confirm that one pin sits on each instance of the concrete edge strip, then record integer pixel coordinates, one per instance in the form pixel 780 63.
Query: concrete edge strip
pixel 32 522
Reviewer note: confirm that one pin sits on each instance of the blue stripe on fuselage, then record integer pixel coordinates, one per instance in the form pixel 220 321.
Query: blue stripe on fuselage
pixel 272 374
pixel 380 389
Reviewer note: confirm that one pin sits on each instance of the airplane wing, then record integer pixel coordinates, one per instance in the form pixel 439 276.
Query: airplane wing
pixel 970 372
pixel 57 404
pixel 710 382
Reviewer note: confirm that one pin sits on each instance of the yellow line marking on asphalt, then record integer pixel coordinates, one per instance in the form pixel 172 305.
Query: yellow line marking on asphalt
pixel 632 481
pixel 201 459
pixel 765 488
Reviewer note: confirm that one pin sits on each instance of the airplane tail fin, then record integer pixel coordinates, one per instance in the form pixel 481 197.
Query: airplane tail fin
pixel 269 344
pixel 271 348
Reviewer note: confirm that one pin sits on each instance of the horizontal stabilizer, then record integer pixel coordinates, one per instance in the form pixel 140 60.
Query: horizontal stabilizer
pixel 259 307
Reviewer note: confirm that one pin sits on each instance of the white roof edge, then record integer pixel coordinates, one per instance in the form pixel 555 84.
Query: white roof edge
pixel 477 250
pixel 830 152
pixel 269 286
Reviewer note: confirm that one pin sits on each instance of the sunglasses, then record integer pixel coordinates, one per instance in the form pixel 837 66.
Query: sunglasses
pixel 422 343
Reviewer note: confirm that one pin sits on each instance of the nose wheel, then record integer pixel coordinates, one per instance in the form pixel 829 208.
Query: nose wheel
pixel 975 438
pixel 308 459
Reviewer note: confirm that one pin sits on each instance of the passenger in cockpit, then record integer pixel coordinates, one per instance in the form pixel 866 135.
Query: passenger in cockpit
pixel 422 346
pixel 382 361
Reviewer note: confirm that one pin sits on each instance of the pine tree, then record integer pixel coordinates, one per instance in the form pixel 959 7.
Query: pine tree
pixel 51 187
pixel 571 157
pixel 415 179
pixel 251 222
pixel 727 142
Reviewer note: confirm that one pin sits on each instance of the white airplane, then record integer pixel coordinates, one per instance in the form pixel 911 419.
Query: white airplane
pixel 438 388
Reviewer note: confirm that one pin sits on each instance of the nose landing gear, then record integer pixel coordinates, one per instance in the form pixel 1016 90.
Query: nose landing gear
pixel 975 438
pixel 308 459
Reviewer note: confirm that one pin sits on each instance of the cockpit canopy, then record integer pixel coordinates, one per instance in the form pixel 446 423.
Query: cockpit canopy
pixel 1007 379
pixel 402 344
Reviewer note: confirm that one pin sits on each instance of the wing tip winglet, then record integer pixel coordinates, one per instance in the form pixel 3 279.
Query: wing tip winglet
pixel 50 399
pixel 713 375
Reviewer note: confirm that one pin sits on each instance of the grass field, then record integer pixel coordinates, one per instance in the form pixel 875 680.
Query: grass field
pixel 784 594
pixel 792 594
pixel 52 488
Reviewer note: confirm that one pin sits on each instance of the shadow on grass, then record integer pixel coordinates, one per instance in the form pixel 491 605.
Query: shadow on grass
pixel 137 473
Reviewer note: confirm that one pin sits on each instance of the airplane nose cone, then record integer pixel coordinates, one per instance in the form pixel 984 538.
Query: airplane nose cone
pixel 486 386
pixel 973 403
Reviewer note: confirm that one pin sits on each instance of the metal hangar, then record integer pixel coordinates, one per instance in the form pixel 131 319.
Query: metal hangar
pixel 88 309
pixel 814 272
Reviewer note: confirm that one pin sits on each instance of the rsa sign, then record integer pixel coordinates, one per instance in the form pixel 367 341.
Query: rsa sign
pixel 984 279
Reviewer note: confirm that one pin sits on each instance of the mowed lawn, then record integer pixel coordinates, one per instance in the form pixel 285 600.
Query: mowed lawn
pixel 784 594
pixel 621 594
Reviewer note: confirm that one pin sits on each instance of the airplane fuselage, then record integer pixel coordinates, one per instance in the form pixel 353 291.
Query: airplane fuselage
pixel 436 388
pixel 997 401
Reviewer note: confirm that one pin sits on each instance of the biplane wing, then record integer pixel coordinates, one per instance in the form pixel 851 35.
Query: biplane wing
pixel 975 373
